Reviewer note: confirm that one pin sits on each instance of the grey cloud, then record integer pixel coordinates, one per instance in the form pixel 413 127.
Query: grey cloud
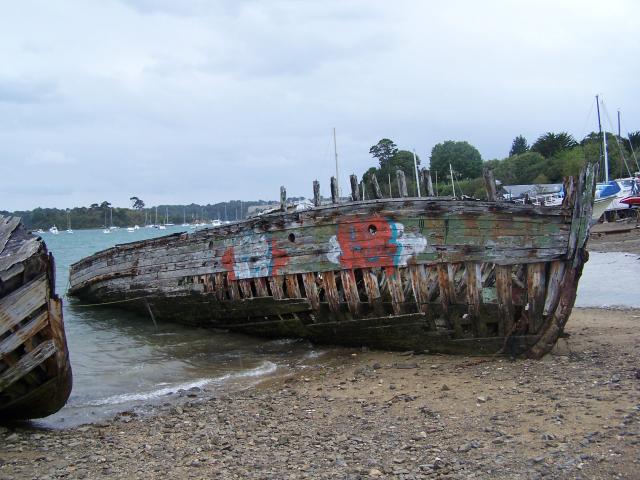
pixel 26 91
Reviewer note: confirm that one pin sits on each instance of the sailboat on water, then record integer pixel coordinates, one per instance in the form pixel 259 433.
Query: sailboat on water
pixel 166 218
pixel 105 228
pixel 69 223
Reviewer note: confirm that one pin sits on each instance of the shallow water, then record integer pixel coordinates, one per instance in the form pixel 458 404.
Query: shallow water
pixel 121 361
pixel 610 280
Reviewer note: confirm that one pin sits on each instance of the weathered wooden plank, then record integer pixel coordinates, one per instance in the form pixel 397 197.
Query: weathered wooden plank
pixel 320 262
pixel 232 287
pixel 331 291
pixel 26 248
pixel 350 290
pixel 420 285
pixel 293 288
pixel 261 287
pixel 535 294
pixel 394 282
pixel 26 364
pixel 283 199
pixel 316 193
pixel 402 183
pixel 245 288
pixel 427 182
pixel 377 193
pixel 497 228
pixel 556 273
pixel 21 303
pixel 219 286
pixel 445 297
pixel 490 184
pixel 311 289
pixel 370 280
pixel 504 298
pixel 432 207
pixel 23 333
pixel 474 296
pixel 7 226
pixel 452 269
pixel 335 195
pixel 275 282
pixel 355 189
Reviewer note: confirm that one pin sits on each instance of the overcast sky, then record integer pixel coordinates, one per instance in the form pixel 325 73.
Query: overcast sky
pixel 204 101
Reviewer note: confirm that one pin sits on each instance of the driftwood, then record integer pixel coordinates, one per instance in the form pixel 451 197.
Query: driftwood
pixel 440 274
pixel 35 373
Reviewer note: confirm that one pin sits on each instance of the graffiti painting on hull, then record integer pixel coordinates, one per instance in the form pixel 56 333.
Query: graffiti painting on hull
pixel 253 256
pixel 373 242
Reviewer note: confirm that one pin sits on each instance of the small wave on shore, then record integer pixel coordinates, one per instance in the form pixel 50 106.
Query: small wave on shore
pixel 265 369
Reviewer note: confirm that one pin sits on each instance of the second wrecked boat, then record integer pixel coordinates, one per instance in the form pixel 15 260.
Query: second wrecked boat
pixel 437 274
pixel 35 372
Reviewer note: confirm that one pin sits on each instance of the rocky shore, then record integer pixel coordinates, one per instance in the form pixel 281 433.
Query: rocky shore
pixel 368 414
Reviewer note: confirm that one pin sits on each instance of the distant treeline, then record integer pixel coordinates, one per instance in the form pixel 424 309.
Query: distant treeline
pixel 96 215
pixel 548 160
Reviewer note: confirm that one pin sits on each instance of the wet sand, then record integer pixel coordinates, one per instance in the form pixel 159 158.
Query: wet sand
pixel 371 414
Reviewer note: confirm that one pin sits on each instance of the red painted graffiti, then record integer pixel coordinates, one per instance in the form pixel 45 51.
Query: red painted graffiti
pixel 369 242
pixel 279 258
pixel 228 259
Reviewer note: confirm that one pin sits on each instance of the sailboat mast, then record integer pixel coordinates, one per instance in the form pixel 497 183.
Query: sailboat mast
pixel 452 183
pixel 335 152
pixel 604 142
pixel 415 164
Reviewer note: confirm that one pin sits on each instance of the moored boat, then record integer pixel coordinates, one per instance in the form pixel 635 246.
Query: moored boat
pixel 431 273
pixel 35 373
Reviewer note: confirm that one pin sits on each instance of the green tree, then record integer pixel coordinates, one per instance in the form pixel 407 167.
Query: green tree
pixel 463 157
pixel 550 143
pixel 136 203
pixel 384 151
pixel 634 140
pixel 401 160
pixel 518 146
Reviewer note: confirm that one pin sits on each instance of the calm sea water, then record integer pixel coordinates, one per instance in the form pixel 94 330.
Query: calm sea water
pixel 121 361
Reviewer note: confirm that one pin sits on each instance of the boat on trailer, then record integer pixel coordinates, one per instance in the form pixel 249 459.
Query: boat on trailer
pixel 35 373
pixel 427 273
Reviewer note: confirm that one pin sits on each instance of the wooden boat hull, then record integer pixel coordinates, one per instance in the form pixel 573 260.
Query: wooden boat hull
pixel 35 372
pixel 412 274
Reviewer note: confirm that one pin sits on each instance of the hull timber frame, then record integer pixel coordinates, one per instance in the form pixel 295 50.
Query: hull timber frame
pixel 35 372
pixel 442 275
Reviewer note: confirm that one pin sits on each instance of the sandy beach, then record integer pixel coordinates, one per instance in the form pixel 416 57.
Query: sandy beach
pixel 371 414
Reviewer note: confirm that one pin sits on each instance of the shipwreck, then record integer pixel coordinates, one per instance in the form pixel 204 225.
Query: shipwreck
pixel 35 372
pixel 423 273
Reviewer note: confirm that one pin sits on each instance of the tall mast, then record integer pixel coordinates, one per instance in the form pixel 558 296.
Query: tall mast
pixel 335 152
pixel 452 184
pixel 619 136
pixel 415 164
pixel 604 142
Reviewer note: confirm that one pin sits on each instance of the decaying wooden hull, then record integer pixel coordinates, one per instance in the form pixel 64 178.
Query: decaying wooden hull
pixel 35 373
pixel 431 274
